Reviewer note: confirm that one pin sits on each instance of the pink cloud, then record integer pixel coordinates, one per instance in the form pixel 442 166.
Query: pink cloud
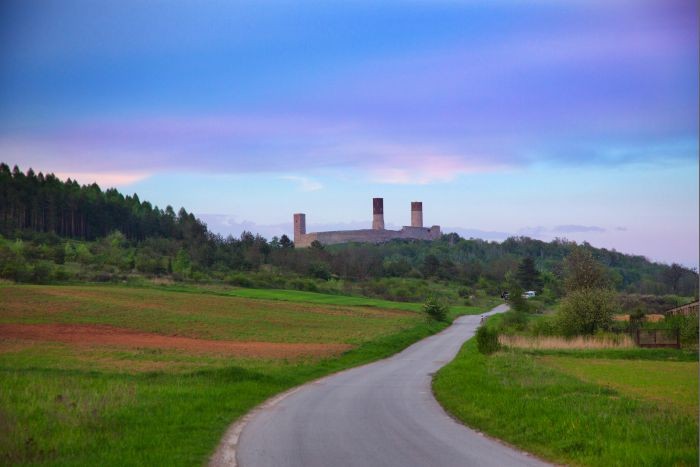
pixel 104 179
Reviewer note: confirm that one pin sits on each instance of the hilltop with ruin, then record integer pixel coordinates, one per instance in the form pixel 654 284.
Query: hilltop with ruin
pixel 377 234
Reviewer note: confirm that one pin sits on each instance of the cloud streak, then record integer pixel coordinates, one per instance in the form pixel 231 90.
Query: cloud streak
pixel 305 183
pixel 605 84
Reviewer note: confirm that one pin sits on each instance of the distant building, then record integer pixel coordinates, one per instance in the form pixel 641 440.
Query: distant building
pixel 377 234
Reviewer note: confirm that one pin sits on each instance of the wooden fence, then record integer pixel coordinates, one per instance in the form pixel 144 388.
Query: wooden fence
pixel 658 338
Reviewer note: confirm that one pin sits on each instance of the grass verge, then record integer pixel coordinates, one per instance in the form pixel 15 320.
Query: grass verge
pixel 567 410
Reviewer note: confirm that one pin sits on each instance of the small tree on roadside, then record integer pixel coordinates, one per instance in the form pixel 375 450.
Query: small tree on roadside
pixel 517 302
pixel 587 311
pixel 590 301
pixel 435 309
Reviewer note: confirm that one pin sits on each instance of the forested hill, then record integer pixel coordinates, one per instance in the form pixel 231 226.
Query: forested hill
pixel 107 235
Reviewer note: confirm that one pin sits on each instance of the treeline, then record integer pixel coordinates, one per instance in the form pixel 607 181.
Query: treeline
pixel 43 203
pixel 56 230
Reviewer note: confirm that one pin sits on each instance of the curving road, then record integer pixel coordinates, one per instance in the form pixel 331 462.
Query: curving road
pixel 381 414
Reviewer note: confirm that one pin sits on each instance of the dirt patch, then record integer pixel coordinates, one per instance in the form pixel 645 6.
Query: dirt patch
pixel 92 335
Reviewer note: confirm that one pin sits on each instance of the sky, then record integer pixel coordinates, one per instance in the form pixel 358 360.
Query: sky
pixel 574 119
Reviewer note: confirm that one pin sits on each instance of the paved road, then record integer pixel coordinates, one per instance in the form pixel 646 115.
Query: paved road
pixel 382 414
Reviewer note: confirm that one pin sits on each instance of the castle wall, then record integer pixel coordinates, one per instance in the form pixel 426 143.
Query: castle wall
pixel 368 235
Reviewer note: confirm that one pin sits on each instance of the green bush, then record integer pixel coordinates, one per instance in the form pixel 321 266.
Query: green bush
pixel 61 274
pixel 543 326
pixel 435 309
pixel 687 327
pixel 42 272
pixel 306 285
pixel 487 340
pixel 518 303
pixel 241 280
pixel 585 311
pixel 514 321
pixel 320 271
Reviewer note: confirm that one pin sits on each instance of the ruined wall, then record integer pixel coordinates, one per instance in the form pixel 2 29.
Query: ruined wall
pixel 377 234
pixel 368 235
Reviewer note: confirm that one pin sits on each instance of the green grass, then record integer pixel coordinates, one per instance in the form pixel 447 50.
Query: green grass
pixel 607 417
pixel 669 383
pixel 71 405
pixel 670 355
pixel 329 299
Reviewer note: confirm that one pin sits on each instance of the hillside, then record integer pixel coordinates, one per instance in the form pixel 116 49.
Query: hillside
pixel 55 230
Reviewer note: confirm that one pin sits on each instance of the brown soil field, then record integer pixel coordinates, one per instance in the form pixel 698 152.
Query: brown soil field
pixel 94 335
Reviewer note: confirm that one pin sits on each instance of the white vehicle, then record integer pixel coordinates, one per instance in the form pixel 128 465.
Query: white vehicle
pixel 529 294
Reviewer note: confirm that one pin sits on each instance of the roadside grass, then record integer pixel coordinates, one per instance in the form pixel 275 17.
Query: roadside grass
pixel 100 405
pixel 670 355
pixel 565 410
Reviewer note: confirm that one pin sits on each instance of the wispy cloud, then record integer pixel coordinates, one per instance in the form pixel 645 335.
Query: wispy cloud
pixel 573 228
pixel 542 231
pixel 305 183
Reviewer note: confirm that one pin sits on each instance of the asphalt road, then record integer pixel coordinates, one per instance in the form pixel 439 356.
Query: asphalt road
pixel 381 414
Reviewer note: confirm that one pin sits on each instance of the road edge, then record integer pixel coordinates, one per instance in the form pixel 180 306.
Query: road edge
pixel 225 453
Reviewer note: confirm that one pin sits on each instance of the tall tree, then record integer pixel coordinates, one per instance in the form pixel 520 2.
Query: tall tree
pixel 528 276
pixel 582 271
pixel 285 242
pixel 672 275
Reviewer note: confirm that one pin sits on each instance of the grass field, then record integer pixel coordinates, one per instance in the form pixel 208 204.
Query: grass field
pixel 324 299
pixel 200 315
pixel 672 384
pixel 81 384
pixel 594 407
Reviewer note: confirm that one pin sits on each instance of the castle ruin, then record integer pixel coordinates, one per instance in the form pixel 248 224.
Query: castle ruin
pixel 377 234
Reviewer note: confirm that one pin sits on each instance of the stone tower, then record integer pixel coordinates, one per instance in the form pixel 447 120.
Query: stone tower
pixel 299 226
pixel 416 214
pixel 378 214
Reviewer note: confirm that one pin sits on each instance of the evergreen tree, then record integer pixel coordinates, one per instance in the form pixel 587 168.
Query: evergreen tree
pixel 528 276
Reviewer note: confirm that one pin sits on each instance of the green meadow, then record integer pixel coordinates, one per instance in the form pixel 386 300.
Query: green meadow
pixel 601 407
pixel 72 403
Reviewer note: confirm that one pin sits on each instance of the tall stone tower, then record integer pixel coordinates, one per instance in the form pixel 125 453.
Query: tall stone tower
pixel 416 214
pixel 378 213
pixel 299 226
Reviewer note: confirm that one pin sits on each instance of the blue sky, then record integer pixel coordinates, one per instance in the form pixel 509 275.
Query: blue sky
pixel 552 119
